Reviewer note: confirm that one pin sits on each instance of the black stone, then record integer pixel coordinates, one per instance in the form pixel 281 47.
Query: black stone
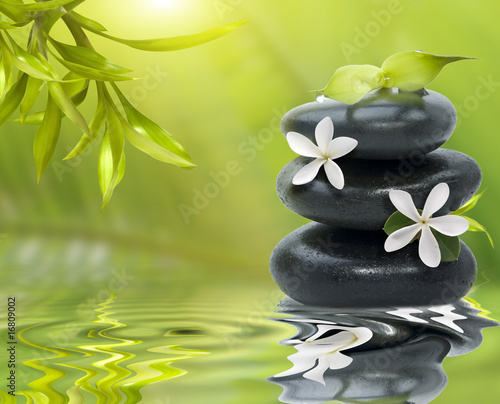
pixel 324 266
pixel 364 201
pixel 387 123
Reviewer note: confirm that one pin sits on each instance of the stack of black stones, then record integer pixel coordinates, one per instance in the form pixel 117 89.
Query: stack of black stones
pixel 339 259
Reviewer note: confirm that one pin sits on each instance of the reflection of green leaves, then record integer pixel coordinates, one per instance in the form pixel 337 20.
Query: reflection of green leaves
pixel 449 246
pixel 35 73
pixel 46 137
pixel 407 71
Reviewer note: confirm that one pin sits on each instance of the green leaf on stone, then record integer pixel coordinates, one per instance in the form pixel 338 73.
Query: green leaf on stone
pixel 397 221
pixel 13 98
pixel 449 246
pixel 177 42
pixel 468 205
pixel 413 70
pixel 475 226
pixel 151 138
pixel 350 83
pixel 46 137
pixel 30 96
pixel 87 57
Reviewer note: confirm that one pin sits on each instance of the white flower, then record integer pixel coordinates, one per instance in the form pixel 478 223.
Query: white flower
pixel 315 355
pixel 428 247
pixel 325 152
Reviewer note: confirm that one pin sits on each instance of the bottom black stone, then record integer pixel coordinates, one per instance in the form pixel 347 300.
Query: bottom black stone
pixel 325 266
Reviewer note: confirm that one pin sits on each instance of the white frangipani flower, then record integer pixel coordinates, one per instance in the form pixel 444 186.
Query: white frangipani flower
pixel 428 247
pixel 316 355
pixel 325 152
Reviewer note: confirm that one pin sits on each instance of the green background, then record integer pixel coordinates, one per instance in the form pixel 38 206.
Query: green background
pixel 223 101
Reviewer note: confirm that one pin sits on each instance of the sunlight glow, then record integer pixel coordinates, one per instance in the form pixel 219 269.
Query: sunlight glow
pixel 164 4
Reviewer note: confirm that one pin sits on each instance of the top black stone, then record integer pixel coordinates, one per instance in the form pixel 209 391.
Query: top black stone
pixel 387 123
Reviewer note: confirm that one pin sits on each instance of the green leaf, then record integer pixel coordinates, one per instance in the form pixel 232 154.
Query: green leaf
pixel 350 83
pixel 64 102
pixel 35 119
pixel 47 136
pixel 6 76
pixel 47 5
pixel 468 205
pixel 10 10
pixel 13 98
pixel 28 63
pixel 449 246
pixel 30 96
pixel 413 70
pixel 475 226
pixel 95 127
pixel 167 148
pixel 87 57
pixel 177 42
pixel 111 165
pixel 76 87
pixel 397 221
pixel 87 23
pixel 93 74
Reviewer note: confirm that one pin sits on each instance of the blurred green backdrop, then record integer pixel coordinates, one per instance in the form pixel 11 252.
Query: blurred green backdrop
pixel 223 102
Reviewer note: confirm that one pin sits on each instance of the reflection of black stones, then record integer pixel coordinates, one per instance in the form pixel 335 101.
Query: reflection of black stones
pixel 364 202
pixel 324 266
pixel 410 373
pixel 387 124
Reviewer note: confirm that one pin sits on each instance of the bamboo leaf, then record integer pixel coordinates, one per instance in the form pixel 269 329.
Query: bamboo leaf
pixel 10 10
pixel 67 106
pixel 35 119
pixel 13 98
pixel 449 246
pixel 42 6
pixel 51 16
pixel 111 157
pixel 468 205
pixel 30 96
pixel 87 57
pixel 93 74
pixel 149 130
pixel 28 63
pixel 76 87
pixel 95 127
pixel 350 83
pixel 177 42
pixel 6 76
pixel 413 70
pixel 47 136
pixel 87 23
pixel 475 226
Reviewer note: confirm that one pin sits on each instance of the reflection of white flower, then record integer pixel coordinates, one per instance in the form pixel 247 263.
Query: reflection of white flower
pixel 315 355
pixel 325 152
pixel 428 247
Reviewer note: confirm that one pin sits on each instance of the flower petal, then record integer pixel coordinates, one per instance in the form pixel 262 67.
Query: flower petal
pixel 428 248
pixel 324 134
pixel 340 146
pixel 302 145
pixel 449 225
pixel 404 203
pixel 401 237
pixel 436 199
pixel 334 174
pixel 316 373
pixel 308 172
